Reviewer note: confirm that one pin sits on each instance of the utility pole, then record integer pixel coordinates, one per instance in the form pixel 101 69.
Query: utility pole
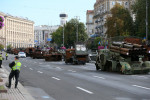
pixel 63 34
pixel 77 17
pixel 146 21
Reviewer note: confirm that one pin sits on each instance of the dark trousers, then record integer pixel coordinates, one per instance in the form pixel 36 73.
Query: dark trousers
pixel 6 57
pixel 11 75
pixel 0 63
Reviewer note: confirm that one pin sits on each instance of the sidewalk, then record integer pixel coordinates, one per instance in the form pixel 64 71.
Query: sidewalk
pixel 12 94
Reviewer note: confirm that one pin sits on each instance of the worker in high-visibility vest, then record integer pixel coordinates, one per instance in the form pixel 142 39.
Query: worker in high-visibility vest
pixel 15 70
pixel 6 55
pixel 1 58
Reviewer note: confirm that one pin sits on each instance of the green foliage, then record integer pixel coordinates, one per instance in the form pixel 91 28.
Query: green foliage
pixel 70 33
pixel 96 41
pixel 139 9
pixel 93 43
pixel 9 46
pixel 57 36
pixel 120 23
pixel 1 47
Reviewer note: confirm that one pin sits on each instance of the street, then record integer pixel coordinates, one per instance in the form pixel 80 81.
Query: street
pixel 58 81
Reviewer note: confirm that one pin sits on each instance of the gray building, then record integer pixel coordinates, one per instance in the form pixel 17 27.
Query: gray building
pixel 43 34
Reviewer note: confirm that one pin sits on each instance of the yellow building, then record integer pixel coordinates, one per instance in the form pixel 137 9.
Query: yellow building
pixel 17 32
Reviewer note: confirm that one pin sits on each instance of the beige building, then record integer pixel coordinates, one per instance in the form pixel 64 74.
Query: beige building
pixel 102 11
pixel 17 32
pixel 89 22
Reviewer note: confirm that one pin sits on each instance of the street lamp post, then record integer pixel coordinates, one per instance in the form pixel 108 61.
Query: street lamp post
pixel 77 33
pixel 147 21
pixel 63 35
pixel 77 17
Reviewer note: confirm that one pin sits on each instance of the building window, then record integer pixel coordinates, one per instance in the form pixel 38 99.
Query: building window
pixel 126 3
pixel 113 3
pixel 43 35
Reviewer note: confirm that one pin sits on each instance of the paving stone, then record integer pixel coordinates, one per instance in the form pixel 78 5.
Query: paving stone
pixel 2 89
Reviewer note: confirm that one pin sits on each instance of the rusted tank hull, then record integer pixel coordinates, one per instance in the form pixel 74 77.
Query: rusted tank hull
pixel 56 57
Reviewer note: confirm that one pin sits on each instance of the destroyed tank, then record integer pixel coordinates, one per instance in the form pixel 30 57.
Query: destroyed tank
pixel 123 57
pixel 53 55
pixel 29 51
pixel 38 54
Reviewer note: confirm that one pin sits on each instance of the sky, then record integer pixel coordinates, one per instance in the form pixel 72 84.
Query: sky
pixel 46 12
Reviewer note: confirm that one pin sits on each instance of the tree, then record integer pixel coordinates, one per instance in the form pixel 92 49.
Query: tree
pixel 120 22
pixel 70 33
pixel 57 36
pixel 1 47
pixel 9 46
pixel 139 9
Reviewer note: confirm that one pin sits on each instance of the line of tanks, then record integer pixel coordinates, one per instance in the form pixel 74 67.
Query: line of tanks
pixel 77 55
pixel 123 54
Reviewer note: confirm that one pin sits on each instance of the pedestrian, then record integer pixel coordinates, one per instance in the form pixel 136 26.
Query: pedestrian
pixel 15 70
pixel 1 58
pixel 6 55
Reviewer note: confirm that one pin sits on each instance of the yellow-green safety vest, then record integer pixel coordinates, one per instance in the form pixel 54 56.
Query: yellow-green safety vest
pixel 17 66
pixel 1 57
pixel 6 54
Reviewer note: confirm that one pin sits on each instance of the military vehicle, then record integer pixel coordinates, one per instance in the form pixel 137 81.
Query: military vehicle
pixel 53 55
pixel 78 55
pixel 123 57
pixel 29 51
pixel 38 54
pixel 15 51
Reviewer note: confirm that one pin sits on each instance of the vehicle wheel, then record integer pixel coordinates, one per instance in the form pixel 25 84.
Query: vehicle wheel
pixel 97 68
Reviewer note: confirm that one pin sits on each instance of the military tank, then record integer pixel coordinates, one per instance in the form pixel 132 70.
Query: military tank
pixel 123 57
pixel 53 55
pixel 38 54
pixel 29 51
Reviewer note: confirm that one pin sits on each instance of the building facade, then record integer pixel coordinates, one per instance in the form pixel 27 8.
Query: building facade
pixel 43 34
pixel 89 22
pixel 17 32
pixel 102 11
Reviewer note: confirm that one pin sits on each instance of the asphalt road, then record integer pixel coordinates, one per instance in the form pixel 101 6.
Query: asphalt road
pixel 58 81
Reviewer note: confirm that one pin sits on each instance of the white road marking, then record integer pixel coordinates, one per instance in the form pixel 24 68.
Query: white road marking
pixel 25 66
pixel 31 69
pixel 85 67
pixel 58 67
pixel 87 91
pixel 56 78
pixel 99 77
pixel 72 71
pixel 141 87
pixel 141 76
pixel 39 72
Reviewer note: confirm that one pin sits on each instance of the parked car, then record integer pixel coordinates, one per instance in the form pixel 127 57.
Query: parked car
pixel 22 55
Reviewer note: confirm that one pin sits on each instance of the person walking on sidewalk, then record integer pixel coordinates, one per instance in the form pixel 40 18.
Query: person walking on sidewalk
pixel 1 58
pixel 6 55
pixel 15 70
